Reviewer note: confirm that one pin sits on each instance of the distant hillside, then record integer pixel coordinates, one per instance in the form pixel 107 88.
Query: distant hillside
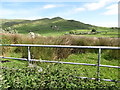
pixel 44 25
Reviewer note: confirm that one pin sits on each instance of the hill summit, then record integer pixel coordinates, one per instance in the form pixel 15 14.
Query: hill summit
pixel 44 25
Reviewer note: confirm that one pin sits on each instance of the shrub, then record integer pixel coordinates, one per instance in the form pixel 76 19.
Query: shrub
pixel 93 30
pixel 50 78
pixel 54 77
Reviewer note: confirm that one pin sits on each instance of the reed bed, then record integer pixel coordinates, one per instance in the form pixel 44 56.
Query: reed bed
pixel 58 53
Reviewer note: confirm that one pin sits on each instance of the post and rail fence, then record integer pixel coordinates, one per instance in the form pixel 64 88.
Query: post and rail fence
pixel 67 46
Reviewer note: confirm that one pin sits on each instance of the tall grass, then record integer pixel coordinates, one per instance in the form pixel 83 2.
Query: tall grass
pixel 58 53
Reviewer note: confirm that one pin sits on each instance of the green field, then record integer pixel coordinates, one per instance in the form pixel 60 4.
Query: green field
pixel 16 74
pixel 55 27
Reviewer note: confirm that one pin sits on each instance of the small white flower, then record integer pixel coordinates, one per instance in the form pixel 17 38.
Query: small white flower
pixel 40 69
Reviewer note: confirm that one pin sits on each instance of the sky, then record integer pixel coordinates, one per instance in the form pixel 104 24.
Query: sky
pixel 96 12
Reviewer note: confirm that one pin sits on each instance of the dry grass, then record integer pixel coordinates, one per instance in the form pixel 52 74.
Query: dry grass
pixel 56 53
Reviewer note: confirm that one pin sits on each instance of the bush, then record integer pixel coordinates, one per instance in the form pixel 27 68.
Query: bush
pixel 93 30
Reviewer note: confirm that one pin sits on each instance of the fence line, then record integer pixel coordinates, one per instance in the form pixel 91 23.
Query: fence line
pixel 59 46
pixel 73 63
pixel 65 46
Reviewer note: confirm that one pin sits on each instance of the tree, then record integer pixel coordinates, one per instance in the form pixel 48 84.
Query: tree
pixel 93 30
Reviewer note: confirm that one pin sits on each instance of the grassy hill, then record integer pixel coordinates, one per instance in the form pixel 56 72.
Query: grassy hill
pixel 44 25
pixel 55 27
pixel 4 23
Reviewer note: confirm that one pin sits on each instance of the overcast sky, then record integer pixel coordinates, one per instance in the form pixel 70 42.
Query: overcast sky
pixel 100 12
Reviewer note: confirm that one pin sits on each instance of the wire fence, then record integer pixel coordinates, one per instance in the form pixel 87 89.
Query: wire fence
pixel 66 46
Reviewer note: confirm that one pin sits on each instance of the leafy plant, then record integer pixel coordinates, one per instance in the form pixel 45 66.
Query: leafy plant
pixel 59 78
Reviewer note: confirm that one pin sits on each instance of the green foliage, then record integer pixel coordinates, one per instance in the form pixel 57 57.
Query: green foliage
pixel 112 54
pixel 52 77
pixel 100 32
pixel 93 30
pixel 59 76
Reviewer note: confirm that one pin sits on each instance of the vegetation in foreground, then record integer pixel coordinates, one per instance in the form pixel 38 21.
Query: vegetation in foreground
pixel 61 76
pixel 18 75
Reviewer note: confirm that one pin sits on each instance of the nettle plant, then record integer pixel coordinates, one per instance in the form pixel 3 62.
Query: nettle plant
pixel 52 76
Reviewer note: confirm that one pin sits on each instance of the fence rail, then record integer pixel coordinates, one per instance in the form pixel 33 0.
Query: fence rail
pixel 65 46
pixel 73 63
pixel 59 46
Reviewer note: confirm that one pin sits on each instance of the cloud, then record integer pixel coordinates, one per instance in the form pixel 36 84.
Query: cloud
pixel 30 18
pixel 25 12
pixel 75 10
pixel 79 9
pixel 48 0
pixel 99 4
pixel 107 24
pixel 69 12
pixel 19 13
pixel 94 6
pixel 112 10
pixel 6 12
pixel 49 6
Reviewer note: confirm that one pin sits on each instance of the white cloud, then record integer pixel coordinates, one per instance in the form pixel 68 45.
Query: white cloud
pixel 67 13
pixel 107 24
pixel 30 18
pixel 49 6
pixel 79 9
pixel 104 23
pixel 18 13
pixel 98 5
pixel 24 12
pixel 48 0
pixel 94 6
pixel 112 10
pixel 6 12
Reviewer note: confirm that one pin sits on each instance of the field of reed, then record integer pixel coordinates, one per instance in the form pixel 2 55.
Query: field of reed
pixel 58 53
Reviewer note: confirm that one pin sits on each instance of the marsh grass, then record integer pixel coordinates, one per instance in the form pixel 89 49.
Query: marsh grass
pixel 59 53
